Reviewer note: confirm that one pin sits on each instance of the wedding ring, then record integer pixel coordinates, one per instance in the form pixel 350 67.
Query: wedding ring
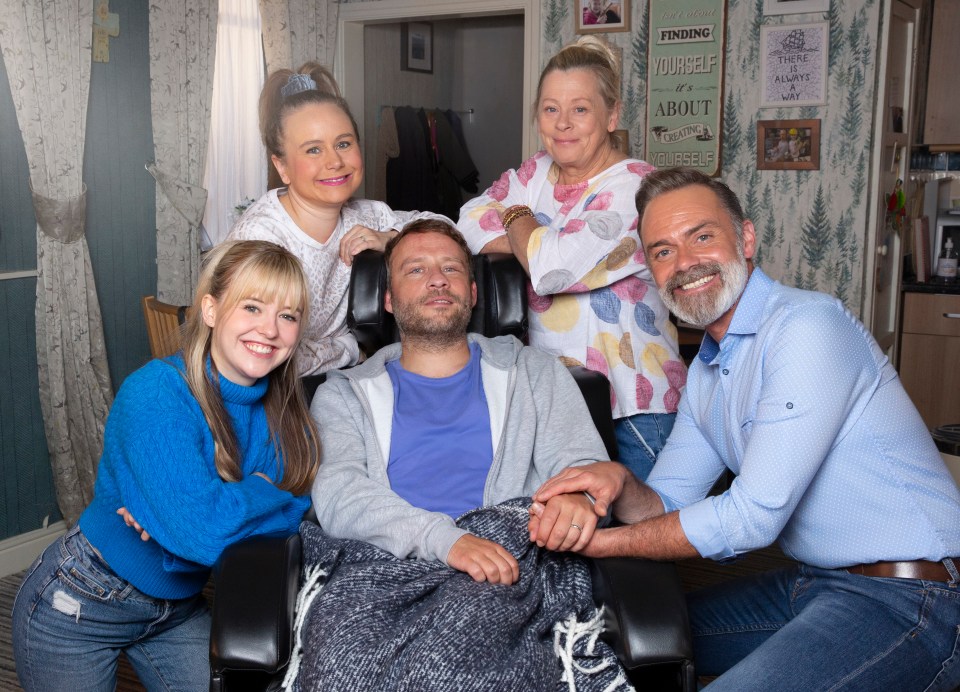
pixel 576 526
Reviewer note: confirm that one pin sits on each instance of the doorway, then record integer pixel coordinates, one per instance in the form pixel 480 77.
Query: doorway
pixel 475 81
pixel 894 115
pixel 520 18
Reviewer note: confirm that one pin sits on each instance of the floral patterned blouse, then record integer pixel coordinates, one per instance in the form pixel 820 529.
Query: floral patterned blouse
pixel 593 301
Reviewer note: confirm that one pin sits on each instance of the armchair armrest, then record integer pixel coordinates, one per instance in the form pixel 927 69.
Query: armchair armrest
pixel 253 607
pixel 644 613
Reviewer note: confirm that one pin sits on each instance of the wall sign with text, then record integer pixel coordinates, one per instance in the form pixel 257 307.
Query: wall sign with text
pixel 793 64
pixel 685 83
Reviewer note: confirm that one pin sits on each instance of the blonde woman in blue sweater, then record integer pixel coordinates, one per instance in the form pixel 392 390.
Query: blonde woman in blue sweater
pixel 204 448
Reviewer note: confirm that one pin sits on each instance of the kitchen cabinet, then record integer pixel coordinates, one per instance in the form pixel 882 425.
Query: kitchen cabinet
pixel 930 354
pixel 941 130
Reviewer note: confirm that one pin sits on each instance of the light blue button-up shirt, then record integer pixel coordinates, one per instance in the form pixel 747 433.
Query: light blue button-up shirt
pixel 832 459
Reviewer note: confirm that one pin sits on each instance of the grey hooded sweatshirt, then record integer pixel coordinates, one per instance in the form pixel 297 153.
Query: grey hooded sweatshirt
pixel 539 425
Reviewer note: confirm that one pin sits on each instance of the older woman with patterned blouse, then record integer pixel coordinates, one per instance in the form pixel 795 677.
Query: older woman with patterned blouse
pixel 568 215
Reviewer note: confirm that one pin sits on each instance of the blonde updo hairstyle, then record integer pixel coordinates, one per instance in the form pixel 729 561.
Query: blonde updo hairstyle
pixel 589 53
pixel 232 272
pixel 274 106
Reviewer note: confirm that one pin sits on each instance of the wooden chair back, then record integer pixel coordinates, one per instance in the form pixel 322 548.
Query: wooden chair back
pixel 163 325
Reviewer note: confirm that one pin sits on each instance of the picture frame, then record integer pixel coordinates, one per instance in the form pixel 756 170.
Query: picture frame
pixel 623 141
pixel 773 7
pixel 416 47
pixel 601 16
pixel 788 145
pixel 793 64
pixel 686 42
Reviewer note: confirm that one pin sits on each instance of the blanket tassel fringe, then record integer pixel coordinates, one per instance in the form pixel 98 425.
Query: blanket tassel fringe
pixel 312 587
pixel 566 634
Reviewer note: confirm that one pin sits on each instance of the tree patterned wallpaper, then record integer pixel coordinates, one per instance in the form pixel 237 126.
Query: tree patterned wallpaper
pixel 811 225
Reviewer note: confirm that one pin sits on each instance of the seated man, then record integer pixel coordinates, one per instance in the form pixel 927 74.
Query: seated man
pixel 445 422
pixel 833 462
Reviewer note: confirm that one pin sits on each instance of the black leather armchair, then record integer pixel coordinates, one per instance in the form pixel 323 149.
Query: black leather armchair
pixel 645 615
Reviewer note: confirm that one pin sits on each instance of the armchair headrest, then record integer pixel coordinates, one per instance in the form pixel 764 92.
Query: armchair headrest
pixel 501 299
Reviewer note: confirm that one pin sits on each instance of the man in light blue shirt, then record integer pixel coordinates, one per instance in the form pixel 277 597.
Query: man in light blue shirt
pixel 792 394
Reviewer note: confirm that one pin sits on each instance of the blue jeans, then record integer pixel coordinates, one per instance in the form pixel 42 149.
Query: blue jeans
pixel 806 628
pixel 73 616
pixel 640 438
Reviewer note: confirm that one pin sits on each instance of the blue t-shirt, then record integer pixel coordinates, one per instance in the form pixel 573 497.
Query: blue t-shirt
pixel 440 447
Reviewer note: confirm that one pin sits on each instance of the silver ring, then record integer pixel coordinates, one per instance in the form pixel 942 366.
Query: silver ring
pixel 576 526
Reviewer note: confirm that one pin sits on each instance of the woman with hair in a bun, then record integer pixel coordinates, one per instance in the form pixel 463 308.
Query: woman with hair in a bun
pixel 314 144
pixel 568 215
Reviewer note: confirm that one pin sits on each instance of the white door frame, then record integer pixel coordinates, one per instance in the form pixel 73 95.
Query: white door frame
pixel 348 63
pixel 908 10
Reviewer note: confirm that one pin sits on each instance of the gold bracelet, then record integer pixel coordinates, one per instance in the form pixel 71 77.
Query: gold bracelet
pixel 513 213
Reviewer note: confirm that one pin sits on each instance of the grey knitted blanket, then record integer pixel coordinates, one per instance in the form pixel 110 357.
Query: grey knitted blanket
pixel 370 621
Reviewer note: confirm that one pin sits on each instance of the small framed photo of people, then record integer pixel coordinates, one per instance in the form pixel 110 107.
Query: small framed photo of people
pixel 788 145
pixel 416 47
pixel 599 16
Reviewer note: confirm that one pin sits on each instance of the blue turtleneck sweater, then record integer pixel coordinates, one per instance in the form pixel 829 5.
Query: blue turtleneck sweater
pixel 158 463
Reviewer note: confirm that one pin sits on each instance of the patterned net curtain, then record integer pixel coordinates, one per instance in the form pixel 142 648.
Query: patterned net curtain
pixel 47 51
pixel 183 41
pixel 296 31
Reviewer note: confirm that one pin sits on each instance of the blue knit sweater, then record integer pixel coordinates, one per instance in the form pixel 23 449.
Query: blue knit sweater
pixel 158 463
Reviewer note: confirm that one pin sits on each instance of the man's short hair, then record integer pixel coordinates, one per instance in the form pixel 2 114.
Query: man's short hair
pixel 429 226
pixel 666 180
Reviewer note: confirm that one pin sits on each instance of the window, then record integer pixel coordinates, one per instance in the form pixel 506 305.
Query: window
pixel 236 164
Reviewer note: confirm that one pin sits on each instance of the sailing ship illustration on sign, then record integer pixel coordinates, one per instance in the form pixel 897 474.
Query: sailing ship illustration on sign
pixel 794 41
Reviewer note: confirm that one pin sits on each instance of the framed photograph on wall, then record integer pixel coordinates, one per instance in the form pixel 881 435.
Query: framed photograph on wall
pixel 795 6
pixel 788 145
pixel 793 64
pixel 416 47
pixel 599 16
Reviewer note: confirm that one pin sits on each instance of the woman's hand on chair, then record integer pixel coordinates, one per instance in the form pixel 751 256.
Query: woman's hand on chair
pixel 360 238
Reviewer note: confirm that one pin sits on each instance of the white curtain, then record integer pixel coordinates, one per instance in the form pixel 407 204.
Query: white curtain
pixel 236 168
pixel 47 51
pixel 296 31
pixel 183 39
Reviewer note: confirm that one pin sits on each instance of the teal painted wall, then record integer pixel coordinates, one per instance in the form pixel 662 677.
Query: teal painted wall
pixel 121 236
pixel 121 203
pixel 27 492
pixel 26 497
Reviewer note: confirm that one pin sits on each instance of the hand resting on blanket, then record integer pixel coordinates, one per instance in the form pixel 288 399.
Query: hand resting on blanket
pixel 483 560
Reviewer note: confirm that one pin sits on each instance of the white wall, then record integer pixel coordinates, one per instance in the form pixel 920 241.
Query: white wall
pixel 491 55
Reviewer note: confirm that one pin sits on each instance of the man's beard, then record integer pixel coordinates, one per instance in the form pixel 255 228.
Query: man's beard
pixel 706 308
pixel 438 330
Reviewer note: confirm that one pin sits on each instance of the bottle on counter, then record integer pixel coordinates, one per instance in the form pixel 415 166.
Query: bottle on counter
pixel 947 264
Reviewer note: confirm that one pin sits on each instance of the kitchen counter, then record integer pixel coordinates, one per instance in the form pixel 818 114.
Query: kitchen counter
pixel 911 286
